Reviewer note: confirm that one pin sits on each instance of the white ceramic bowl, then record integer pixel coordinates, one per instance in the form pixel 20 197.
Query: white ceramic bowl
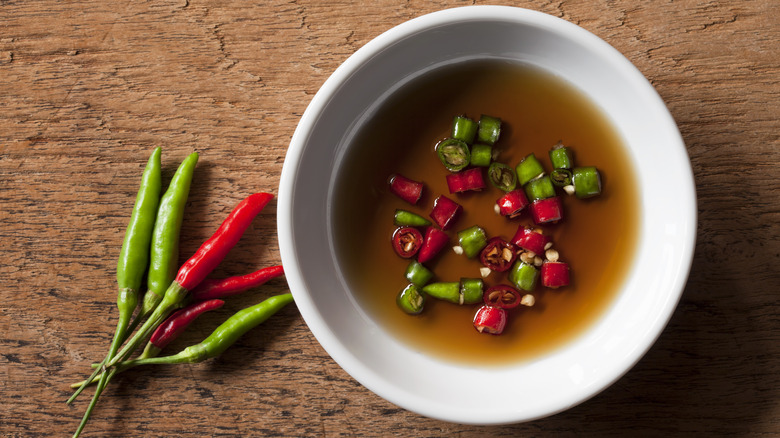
pixel 569 375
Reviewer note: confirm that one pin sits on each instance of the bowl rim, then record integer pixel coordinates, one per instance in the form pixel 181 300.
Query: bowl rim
pixel 315 320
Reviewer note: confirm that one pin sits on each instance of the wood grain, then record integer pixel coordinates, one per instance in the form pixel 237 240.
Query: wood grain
pixel 88 88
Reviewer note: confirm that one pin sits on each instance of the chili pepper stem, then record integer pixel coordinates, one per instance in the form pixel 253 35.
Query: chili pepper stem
pixel 104 379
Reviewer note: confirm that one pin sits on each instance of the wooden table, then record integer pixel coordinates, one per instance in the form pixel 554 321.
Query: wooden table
pixel 89 88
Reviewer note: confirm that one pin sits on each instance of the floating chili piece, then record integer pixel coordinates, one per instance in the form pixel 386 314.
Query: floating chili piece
pixel 498 254
pixel 524 276
pixel 528 169
pixel 512 204
pixel 561 177
pixel 407 241
pixel 503 296
pixel 489 129
pixel 587 182
pixel 530 240
pixel 221 288
pixel 409 219
pixel 410 300
pixel 454 154
pixel 471 290
pixel 445 211
pixel 481 155
pixel 417 274
pixel 490 319
pixel 446 291
pixel 561 157
pixel 502 177
pixel 555 274
pixel 539 188
pixel 464 129
pixel 547 210
pixel 472 240
pixel 435 240
pixel 405 188
pixel 468 180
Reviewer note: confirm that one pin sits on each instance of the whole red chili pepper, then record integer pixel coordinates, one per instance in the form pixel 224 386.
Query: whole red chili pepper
pixel 212 288
pixel 179 321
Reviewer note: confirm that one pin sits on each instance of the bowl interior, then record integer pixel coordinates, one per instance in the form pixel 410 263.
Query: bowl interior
pixel 456 392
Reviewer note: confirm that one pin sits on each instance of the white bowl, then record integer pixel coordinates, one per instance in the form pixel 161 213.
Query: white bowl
pixel 456 392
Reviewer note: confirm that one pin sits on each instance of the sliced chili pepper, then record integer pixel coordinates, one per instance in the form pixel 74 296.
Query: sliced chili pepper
pixel 472 240
pixel 445 212
pixel 407 241
pixel 539 188
pixel 502 177
pixel 490 319
pixel 524 276
pixel 417 274
pixel 528 169
pixel 179 320
pixel 560 177
pixel 409 219
pixel 481 155
pixel 466 180
pixel 464 129
pixel 471 290
pixel 561 157
pixel 587 182
pixel 489 129
pixel 555 274
pixel 410 300
pixel 454 154
pixel 547 210
pixel 512 204
pixel 530 240
pixel 446 291
pixel 435 240
pixel 221 288
pixel 498 254
pixel 405 188
pixel 503 296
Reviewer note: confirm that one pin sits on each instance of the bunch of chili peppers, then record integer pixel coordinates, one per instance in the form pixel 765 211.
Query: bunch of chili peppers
pixel 527 257
pixel 174 298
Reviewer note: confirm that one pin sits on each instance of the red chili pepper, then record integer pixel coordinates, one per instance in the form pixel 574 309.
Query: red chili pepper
pixel 435 240
pixel 512 204
pixel 503 296
pixel 498 254
pixel 466 180
pixel 547 210
pixel 530 240
pixel 405 188
pixel 555 274
pixel 212 288
pixel 179 320
pixel 214 250
pixel 407 241
pixel 445 211
pixel 490 319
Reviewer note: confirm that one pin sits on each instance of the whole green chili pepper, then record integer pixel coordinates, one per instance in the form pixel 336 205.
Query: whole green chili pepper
pixel 165 239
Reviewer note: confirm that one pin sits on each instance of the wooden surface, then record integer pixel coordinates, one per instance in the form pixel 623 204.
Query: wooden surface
pixel 87 89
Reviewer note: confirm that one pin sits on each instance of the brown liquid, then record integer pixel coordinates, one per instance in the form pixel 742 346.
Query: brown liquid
pixel 597 236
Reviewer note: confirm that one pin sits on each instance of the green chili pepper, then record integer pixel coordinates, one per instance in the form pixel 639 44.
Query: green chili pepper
pixel 561 157
pixel 165 239
pixel 410 300
pixel 560 177
pixel 587 182
pixel 528 169
pixel 471 290
pixel 464 129
pixel 417 274
pixel 539 188
pixel 481 155
pixel 489 129
pixel 454 154
pixel 524 276
pixel 408 219
pixel 502 176
pixel 472 240
pixel 446 291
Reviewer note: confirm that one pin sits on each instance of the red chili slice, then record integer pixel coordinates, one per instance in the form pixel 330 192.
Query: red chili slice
pixel 445 211
pixel 490 319
pixel 530 240
pixel 498 254
pixel 512 204
pixel 503 296
pixel 405 188
pixel 547 210
pixel 466 180
pixel 555 274
pixel 407 241
pixel 435 240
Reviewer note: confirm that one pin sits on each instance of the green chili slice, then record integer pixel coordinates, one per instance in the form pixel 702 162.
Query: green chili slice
pixel 524 276
pixel 410 300
pixel 417 274
pixel 481 155
pixel 408 219
pixel 539 188
pixel 489 129
pixel 445 291
pixel 472 240
pixel 561 157
pixel 528 169
pixel 464 129
pixel 502 176
pixel 560 177
pixel 587 182
pixel 454 154
pixel 471 290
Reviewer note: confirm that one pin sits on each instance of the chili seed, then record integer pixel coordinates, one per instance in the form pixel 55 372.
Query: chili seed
pixel 538 261
pixel 552 255
pixel 528 300
pixel 548 245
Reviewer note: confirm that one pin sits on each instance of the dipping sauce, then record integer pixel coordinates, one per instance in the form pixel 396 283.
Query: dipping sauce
pixel 597 236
